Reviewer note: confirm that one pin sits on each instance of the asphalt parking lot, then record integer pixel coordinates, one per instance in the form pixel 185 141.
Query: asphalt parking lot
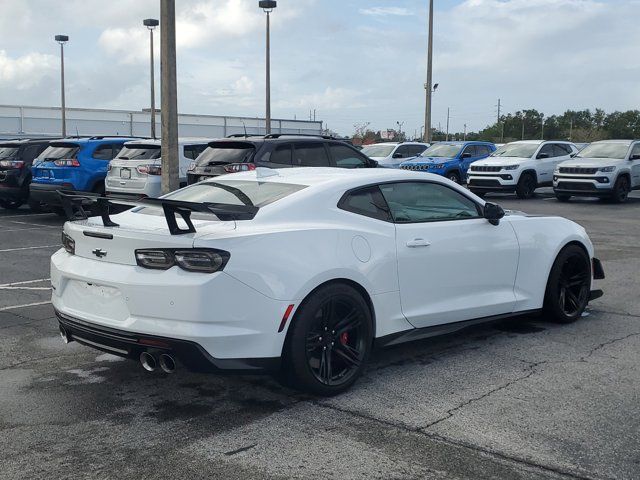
pixel 520 399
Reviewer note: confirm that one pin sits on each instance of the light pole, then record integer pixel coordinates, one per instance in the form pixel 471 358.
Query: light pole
pixel 400 124
pixel 268 6
pixel 62 39
pixel 152 23
pixel 427 86
pixel 168 97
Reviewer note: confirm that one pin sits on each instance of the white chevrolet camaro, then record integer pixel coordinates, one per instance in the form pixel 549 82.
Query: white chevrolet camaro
pixel 304 270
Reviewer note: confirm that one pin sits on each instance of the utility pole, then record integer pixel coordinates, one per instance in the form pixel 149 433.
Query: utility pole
pixel 429 85
pixel 523 128
pixel 169 101
pixel 499 123
pixel 570 129
pixel 542 129
pixel 447 124
pixel 465 132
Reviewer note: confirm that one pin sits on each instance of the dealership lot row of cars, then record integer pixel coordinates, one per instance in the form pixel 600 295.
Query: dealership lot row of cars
pixel 33 170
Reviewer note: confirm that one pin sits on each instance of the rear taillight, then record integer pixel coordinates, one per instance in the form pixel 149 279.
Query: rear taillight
pixel 149 169
pixel 12 163
pixel 66 162
pixel 68 243
pixel 204 260
pixel 109 167
pixel 239 167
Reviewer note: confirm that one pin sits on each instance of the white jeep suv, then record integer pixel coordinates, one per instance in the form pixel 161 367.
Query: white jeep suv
pixel 519 167
pixel 606 169
pixel 392 154
pixel 137 169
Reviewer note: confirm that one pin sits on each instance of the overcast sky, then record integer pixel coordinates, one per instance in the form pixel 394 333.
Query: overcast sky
pixel 353 61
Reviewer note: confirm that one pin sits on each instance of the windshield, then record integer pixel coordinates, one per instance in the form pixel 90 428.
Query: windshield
pixel 441 150
pixel 55 152
pixel 226 152
pixel 139 152
pixel 605 150
pixel 8 152
pixel 235 192
pixel 523 150
pixel 378 150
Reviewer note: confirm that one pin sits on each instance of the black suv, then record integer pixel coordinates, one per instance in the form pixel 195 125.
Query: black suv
pixel 16 158
pixel 239 153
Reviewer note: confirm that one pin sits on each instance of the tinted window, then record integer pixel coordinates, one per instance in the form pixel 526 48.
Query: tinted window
pixel 281 155
pixel 60 151
pixel 523 150
pixel 378 151
pixel 310 155
pixel 236 192
pixel 139 152
pixel 103 152
pixel 471 150
pixel 31 152
pixel 482 150
pixel 346 157
pixel 193 151
pixel 366 201
pixel 561 150
pixel 605 150
pixel 548 150
pixel 9 152
pixel 221 153
pixel 411 202
pixel 403 151
pixel 415 150
pixel 635 150
pixel 442 150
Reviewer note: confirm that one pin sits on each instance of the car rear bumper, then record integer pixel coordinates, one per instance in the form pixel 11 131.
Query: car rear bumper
pixel 225 317
pixel 130 345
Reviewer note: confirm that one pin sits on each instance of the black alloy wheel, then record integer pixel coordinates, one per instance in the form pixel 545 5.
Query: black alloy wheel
pixel 621 190
pixel 569 285
pixel 330 340
pixel 526 186
pixel 454 177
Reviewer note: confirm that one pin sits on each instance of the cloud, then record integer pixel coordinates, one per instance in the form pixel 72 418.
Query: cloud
pixel 26 71
pixel 385 11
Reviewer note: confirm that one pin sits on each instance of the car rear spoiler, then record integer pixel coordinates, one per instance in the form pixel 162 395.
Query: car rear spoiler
pixel 75 206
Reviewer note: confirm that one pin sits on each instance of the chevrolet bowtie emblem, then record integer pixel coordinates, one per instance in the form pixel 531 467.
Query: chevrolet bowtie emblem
pixel 98 252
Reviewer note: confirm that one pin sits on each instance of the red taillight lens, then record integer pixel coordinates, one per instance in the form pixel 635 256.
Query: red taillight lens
pixel 66 162
pixel 149 169
pixel 12 163
pixel 239 167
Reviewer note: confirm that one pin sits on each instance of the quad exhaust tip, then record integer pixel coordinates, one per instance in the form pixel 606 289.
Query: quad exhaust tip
pixel 167 363
pixel 64 335
pixel 148 361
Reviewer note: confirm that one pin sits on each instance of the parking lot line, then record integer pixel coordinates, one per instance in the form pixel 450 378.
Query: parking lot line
pixel 25 215
pixel 19 229
pixel 29 248
pixel 25 282
pixel 13 307
pixel 34 224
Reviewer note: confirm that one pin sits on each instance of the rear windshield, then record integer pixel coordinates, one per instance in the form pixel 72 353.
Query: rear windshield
pixel 60 150
pixel 223 153
pixel 139 152
pixel 236 192
pixel 8 152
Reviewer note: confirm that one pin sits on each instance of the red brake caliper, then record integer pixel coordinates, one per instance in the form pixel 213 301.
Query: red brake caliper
pixel 344 338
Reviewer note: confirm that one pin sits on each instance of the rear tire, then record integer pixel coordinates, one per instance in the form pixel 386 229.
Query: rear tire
pixel 526 186
pixel 563 198
pixel 36 207
pixel 621 190
pixel 454 177
pixel 568 287
pixel 330 340
pixel 11 204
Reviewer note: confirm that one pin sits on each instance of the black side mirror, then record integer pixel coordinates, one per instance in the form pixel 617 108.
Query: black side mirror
pixel 493 213
pixel 542 155
pixel 465 155
pixel 635 156
pixel 397 155
pixel 373 163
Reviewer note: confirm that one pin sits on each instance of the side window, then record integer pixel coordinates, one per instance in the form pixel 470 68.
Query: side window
pixel 366 201
pixel 345 157
pixel 402 151
pixel 414 202
pixel 281 155
pixel 561 150
pixel 635 150
pixel 471 150
pixel 547 150
pixel 193 151
pixel 415 150
pixel 30 152
pixel 116 150
pixel 310 155
pixel 103 152
pixel 483 150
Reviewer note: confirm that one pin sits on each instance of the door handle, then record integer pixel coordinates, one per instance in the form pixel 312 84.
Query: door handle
pixel 418 242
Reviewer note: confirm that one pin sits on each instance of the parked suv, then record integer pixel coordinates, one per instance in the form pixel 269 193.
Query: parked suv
pixel 607 169
pixel 391 155
pixel 137 169
pixel 450 159
pixel 236 153
pixel 519 167
pixel 16 158
pixel 78 164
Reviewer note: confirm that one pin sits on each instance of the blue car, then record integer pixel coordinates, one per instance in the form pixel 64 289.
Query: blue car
pixel 450 159
pixel 77 164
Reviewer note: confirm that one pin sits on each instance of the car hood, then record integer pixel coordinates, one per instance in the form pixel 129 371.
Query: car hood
pixel 592 162
pixel 430 160
pixel 499 161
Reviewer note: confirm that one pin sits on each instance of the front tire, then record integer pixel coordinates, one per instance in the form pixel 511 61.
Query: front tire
pixel 526 186
pixel 563 198
pixel 454 177
pixel 569 284
pixel 11 204
pixel 621 190
pixel 330 340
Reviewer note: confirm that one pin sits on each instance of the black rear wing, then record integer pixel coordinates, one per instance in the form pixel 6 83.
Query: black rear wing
pixel 80 206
